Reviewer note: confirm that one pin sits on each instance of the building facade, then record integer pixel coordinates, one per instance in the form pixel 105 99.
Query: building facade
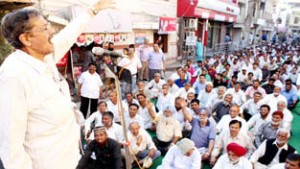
pixel 210 20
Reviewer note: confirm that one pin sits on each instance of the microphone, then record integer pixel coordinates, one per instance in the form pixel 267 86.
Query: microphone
pixel 100 51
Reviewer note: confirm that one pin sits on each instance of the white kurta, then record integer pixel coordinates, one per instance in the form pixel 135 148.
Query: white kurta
pixel 224 162
pixel 174 159
pixel 38 126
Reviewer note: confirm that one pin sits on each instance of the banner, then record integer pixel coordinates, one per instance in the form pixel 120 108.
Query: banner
pixel 63 61
pixel 167 25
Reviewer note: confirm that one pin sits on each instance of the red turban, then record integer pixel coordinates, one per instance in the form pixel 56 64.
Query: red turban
pixel 236 149
pixel 278 113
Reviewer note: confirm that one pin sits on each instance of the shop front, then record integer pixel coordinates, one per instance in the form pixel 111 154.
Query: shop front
pixel 214 19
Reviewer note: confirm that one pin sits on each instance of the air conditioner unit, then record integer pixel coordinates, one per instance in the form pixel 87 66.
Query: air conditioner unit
pixel 193 23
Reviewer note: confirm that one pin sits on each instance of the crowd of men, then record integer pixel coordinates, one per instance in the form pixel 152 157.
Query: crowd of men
pixel 231 109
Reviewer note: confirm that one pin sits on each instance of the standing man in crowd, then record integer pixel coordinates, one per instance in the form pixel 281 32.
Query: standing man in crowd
pixel 144 51
pixel 156 62
pixel 89 89
pixel 36 109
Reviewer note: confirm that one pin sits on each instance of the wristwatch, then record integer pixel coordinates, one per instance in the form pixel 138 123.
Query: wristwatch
pixel 95 11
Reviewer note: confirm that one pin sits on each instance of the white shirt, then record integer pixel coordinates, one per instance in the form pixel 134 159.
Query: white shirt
pixel 251 106
pixel 95 117
pixel 223 124
pixel 155 87
pixel 225 138
pixel 36 112
pixel 144 113
pixel 242 77
pixel 183 93
pixel 224 162
pixel 126 105
pixel 146 144
pixel 114 109
pixel 164 99
pixel 257 73
pixel 255 122
pixel 238 97
pixel 203 96
pixel 131 64
pixel 278 166
pixel 287 119
pixel 136 118
pixel 173 89
pixel 174 159
pixel 272 101
pixel 91 84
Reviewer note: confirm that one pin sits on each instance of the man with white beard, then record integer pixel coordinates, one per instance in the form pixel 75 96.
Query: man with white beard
pixel 222 108
pixel 273 151
pixel 287 115
pixel 268 130
pixel 205 94
pixel 216 98
pixel 273 99
pixel 168 129
pixel 234 159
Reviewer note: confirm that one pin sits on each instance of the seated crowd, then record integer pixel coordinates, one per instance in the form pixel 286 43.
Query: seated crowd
pixel 227 111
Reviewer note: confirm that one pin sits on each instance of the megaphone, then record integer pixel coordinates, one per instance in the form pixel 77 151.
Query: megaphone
pixel 100 51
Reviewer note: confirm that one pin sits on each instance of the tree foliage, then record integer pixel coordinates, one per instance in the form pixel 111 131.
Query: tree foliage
pixel 5 48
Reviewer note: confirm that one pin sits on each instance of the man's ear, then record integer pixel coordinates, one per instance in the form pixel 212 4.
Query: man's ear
pixel 24 39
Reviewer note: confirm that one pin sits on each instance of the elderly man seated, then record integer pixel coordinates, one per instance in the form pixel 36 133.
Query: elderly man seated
pixel 287 115
pixel 233 115
pixel 203 131
pixel 222 108
pixel 183 155
pixel 155 85
pixel 142 145
pixel 234 159
pixel 268 130
pixel 168 129
pixel 273 151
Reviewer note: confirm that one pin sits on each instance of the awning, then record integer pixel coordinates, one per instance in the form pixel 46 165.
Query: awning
pixel 224 11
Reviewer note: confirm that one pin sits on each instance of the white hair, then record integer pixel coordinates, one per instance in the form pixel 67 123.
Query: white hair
pixel 284 130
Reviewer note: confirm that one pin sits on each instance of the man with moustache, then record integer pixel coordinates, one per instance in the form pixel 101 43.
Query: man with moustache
pixel 36 110
pixel 168 129
pixel 89 89
pixel 268 130
pixel 258 119
pixel 203 131
pixel 273 99
pixel 222 107
pixel 273 151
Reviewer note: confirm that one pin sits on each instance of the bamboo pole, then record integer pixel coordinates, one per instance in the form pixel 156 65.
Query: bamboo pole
pixel 121 115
